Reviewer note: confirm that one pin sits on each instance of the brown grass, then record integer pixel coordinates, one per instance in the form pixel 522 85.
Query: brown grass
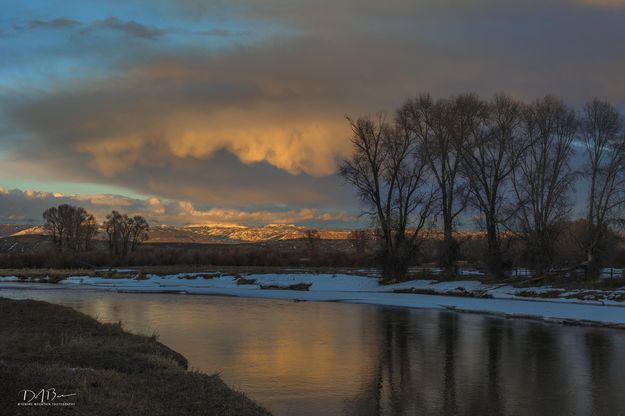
pixel 244 281
pixel 113 372
pixel 297 286
pixel 547 294
pixel 457 293
pixel 43 272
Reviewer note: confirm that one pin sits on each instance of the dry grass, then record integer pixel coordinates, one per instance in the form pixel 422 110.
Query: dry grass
pixel 457 293
pixel 244 281
pixel 568 283
pixel 241 270
pixel 546 294
pixel 296 286
pixel 39 273
pixel 113 372
pixel 206 271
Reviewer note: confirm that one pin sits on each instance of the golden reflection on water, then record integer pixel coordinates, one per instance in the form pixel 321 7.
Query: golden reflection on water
pixel 265 348
pixel 311 358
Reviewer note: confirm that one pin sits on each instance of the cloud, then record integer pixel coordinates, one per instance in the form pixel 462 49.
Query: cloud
pixel 130 28
pixel 229 216
pixel 21 207
pixel 220 32
pixel 256 122
pixel 147 129
pixel 604 3
pixel 57 23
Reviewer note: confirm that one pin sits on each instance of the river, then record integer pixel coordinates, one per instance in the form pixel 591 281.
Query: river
pixel 323 358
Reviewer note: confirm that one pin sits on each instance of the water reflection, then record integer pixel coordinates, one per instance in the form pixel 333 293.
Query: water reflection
pixel 335 359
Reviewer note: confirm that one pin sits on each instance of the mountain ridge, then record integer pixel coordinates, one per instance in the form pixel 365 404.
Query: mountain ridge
pixel 207 234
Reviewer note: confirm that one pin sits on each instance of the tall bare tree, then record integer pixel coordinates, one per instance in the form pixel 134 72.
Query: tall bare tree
pixel 125 233
pixel 140 232
pixel 543 177
pixel 69 227
pixel 89 230
pixel 390 175
pixel 603 138
pixel 54 226
pixel 112 226
pixel 429 122
pixel 492 143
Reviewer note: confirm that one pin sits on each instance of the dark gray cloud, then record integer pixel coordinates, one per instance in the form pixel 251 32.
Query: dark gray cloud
pixel 220 32
pixel 130 28
pixel 57 23
pixel 26 207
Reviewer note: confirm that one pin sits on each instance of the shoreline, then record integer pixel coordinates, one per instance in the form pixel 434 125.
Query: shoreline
pixel 459 296
pixel 503 315
pixel 56 357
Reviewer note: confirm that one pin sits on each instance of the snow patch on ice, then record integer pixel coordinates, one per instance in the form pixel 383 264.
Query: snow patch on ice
pixel 503 299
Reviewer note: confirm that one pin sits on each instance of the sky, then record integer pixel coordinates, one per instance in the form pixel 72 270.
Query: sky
pixel 233 111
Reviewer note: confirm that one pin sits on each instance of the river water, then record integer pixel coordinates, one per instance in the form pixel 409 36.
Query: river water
pixel 309 358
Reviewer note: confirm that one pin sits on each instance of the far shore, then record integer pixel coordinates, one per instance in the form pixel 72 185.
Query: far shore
pixel 596 306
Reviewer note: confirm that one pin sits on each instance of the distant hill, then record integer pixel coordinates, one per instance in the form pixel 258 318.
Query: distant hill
pixel 236 234
pixel 214 234
pixel 202 234
pixel 36 230
pixel 11 229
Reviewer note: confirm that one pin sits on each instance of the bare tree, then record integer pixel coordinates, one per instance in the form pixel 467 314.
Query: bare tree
pixel 140 232
pixel 125 227
pixel 359 240
pixel 68 226
pixel 603 139
pixel 390 175
pixel 430 123
pixel 89 230
pixel 491 148
pixel 543 177
pixel 124 233
pixel 312 237
pixel 112 226
pixel 54 226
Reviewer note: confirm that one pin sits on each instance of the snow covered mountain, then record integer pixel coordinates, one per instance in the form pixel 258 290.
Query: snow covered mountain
pixel 204 234
pixel 221 233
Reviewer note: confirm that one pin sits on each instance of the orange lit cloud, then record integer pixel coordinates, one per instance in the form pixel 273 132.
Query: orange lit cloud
pixel 296 146
pixel 252 135
pixel 114 154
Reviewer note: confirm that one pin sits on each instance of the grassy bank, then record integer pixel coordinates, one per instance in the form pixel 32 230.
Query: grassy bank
pixel 111 372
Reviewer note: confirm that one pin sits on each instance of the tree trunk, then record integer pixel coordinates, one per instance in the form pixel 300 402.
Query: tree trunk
pixel 449 249
pixel 493 254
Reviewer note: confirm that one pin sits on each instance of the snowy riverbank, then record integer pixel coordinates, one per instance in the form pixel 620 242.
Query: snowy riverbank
pixel 544 303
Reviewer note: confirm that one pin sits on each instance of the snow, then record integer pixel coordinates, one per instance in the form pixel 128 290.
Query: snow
pixel 362 289
pixel 610 273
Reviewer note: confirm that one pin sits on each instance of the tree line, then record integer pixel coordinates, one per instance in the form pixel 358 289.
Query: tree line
pixel 72 230
pixel 505 159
